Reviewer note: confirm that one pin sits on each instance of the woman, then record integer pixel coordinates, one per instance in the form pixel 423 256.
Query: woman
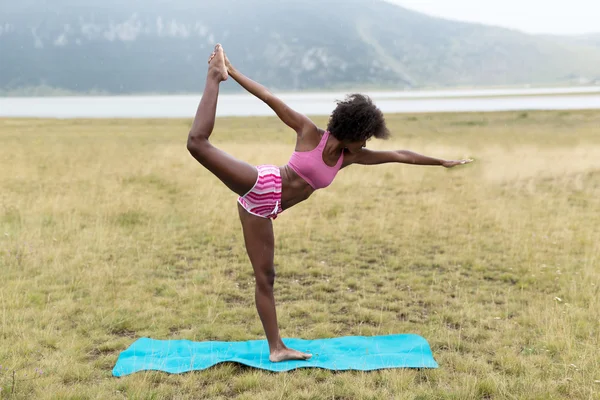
pixel 267 190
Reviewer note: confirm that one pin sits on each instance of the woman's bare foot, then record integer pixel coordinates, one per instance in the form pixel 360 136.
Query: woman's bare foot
pixel 286 354
pixel 216 64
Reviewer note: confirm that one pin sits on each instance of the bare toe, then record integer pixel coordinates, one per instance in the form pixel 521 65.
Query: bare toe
pixel 217 63
pixel 288 354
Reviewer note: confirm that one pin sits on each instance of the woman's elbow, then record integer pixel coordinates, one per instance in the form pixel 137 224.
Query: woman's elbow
pixel 195 143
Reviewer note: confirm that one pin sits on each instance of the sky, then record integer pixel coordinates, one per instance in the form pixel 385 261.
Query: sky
pixel 531 16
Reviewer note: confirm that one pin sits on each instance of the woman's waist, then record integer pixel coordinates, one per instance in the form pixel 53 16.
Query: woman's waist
pixel 293 186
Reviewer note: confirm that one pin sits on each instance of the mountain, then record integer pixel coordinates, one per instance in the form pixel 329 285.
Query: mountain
pixel 162 46
pixel 593 39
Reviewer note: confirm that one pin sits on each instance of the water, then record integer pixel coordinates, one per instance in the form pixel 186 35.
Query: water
pixel 306 103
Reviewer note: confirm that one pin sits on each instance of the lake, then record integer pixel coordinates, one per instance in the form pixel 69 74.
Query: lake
pixel 184 106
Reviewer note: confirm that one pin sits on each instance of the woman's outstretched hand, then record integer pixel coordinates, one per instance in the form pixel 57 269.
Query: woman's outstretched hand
pixel 454 163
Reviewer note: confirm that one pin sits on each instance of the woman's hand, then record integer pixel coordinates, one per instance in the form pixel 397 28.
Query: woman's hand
pixel 228 64
pixel 454 163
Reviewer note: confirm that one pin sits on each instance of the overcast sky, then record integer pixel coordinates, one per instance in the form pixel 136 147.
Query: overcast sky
pixel 532 16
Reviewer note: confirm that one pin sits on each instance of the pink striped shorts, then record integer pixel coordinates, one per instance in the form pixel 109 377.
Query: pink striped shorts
pixel 264 199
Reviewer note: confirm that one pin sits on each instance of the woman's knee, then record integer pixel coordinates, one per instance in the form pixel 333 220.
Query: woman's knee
pixel 265 279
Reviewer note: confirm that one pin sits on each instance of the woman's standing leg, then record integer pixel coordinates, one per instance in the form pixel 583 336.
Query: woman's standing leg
pixel 260 245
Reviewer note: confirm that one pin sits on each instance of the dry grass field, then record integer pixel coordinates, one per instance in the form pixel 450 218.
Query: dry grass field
pixel 111 231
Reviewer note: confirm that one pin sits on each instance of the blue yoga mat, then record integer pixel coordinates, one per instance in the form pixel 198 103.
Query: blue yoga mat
pixel 345 353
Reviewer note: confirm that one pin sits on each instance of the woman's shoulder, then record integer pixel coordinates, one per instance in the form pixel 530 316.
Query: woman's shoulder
pixel 312 132
pixel 309 138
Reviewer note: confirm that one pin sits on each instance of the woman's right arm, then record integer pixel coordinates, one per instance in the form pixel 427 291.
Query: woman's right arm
pixel 295 120
pixel 374 157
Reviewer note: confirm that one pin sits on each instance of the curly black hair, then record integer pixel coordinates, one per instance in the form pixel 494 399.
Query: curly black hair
pixel 356 119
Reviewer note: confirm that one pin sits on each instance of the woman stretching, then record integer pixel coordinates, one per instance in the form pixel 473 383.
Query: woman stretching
pixel 267 190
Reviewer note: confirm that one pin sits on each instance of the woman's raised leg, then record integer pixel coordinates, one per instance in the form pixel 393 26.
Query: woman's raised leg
pixel 237 175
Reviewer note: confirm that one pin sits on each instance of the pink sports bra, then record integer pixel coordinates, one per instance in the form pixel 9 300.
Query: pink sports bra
pixel 309 165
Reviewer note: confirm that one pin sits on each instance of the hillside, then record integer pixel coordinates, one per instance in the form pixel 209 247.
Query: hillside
pixel 162 46
pixel 593 39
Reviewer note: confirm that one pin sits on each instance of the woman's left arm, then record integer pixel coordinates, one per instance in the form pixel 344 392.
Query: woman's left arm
pixel 373 157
